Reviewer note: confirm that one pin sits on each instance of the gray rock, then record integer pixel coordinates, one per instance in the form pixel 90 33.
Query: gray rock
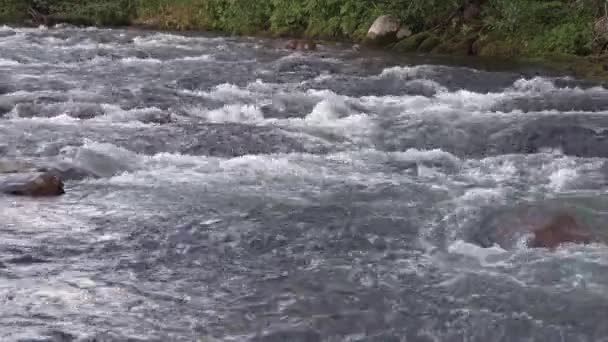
pixel 301 44
pixel 385 30
pixel 382 26
pixel 403 32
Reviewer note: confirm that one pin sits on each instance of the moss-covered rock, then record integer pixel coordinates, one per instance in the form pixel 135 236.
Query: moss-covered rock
pixel 411 44
pixel 498 47
pixel 456 46
pixel 429 44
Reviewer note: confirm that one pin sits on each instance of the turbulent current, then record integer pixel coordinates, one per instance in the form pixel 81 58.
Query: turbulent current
pixel 249 193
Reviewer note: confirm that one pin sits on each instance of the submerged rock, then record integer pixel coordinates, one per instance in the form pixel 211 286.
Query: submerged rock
pixel 534 226
pixel 35 185
pixel 563 228
pixel 66 171
pixel 301 44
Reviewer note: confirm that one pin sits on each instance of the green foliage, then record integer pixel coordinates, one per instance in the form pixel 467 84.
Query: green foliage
pixel 116 12
pixel 542 27
pixel 12 11
pixel 288 16
pixel 536 27
pixel 421 14
pixel 567 38
pixel 411 44
pixel 525 16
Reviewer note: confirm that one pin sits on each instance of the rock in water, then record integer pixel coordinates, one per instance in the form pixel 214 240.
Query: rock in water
pixel 385 30
pixel 562 229
pixel 302 45
pixel 535 226
pixel 34 185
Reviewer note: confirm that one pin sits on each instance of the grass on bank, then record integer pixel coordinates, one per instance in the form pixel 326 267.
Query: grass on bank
pixel 504 28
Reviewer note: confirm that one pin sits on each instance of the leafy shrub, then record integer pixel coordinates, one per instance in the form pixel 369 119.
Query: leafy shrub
pixel 568 38
pixel 12 11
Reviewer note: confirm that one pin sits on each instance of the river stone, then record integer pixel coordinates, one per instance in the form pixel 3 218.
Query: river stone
pixel 411 43
pixel 33 184
pixel 535 226
pixel 301 45
pixel 563 228
pixel 429 44
pixel 385 30
pixel 403 32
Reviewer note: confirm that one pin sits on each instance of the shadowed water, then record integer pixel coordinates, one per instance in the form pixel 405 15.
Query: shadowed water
pixel 242 192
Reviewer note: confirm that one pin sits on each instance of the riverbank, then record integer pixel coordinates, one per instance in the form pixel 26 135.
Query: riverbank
pixel 568 35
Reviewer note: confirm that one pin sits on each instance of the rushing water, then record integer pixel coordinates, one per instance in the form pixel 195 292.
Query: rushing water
pixel 249 193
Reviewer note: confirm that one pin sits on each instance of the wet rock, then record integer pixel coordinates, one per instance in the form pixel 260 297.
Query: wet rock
pixel 429 44
pixel 457 47
pixel 34 185
pixel 534 226
pixel 385 30
pixel 411 43
pixel 403 32
pixel 563 228
pixel 301 45
pixel 26 260
pixel 65 171
pixel 156 117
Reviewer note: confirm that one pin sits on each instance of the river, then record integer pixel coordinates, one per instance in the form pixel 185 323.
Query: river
pixel 250 193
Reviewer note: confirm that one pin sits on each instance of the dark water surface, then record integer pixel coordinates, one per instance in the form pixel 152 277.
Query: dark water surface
pixel 249 193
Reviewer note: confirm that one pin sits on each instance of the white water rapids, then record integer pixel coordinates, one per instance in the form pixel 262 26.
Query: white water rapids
pixel 248 193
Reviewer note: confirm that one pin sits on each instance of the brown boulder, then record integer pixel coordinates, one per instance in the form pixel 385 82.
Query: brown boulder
pixel 563 228
pixel 300 44
pixel 33 185
pixel 535 226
